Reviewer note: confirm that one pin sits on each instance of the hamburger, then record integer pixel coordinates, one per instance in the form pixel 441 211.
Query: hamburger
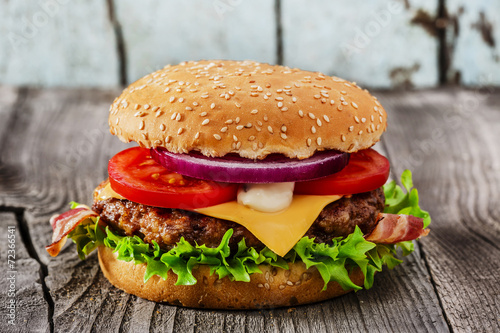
pixel 252 186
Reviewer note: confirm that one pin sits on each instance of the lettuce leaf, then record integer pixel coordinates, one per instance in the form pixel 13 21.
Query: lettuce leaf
pixel 334 261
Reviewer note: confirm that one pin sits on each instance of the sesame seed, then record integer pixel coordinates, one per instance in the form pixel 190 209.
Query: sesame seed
pixel 284 109
pixel 178 117
pixel 375 108
pixel 354 105
pixel 268 93
pixel 204 96
pixel 180 131
pixel 372 127
pixel 251 138
pixel 158 113
pixel 356 119
pixel 318 122
pixel 347 84
pixel 332 102
pixel 155 108
pixel 313 129
pixel 248 125
pixel 238 105
pixel 309 141
pixel 265 97
pixel 229 121
pixel 162 127
pixel 181 100
pixel 343 137
pixel 254 111
pixel 372 118
pixel 203 114
pixel 171 99
pixel 205 122
pixel 173 116
pixel 261 145
pixel 363 120
pixel 351 128
pixel 239 127
pixel 343 92
pixel 318 141
pixel 254 94
pixel 270 129
pixel 294 99
pixel 223 129
pixel 117 120
pixel 317 96
pixel 324 94
pixel 266 118
pixel 195 103
pixel 235 138
pixel 283 128
pixel 296 85
pixel 326 118
pixel 360 132
pixel 197 135
pixel 238 145
pixel 380 118
pixel 146 106
pixel 237 120
pixel 139 114
pixel 188 108
pixel 301 113
pixel 378 126
pixel 283 136
pixel 217 137
pixel 344 103
pixel 258 128
pixel 311 115
pixel 279 98
pixel 137 106
pixel 339 108
pixel 145 136
pixel 280 104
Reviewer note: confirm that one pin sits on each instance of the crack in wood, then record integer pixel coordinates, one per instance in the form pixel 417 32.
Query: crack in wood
pixel 423 255
pixel 120 43
pixel 279 32
pixel 26 239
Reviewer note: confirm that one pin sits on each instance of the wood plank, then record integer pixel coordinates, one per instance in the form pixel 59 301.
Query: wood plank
pixel 60 123
pixel 20 284
pixel 474 42
pixel 452 149
pixel 52 43
pixel 358 50
pixel 215 30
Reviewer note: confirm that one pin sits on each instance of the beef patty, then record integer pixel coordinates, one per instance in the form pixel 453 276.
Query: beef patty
pixel 166 226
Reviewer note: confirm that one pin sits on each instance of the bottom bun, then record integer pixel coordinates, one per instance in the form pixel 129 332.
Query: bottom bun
pixel 275 287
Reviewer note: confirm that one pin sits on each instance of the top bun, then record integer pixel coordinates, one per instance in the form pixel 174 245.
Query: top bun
pixel 248 108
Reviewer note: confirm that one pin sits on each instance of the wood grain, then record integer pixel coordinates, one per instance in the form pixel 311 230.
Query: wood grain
pixel 55 149
pixel 454 154
pixel 31 312
pixel 373 43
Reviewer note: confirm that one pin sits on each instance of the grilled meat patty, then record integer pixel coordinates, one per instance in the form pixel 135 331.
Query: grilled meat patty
pixel 166 226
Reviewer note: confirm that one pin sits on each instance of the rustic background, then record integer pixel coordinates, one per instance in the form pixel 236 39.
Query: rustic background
pixel 380 44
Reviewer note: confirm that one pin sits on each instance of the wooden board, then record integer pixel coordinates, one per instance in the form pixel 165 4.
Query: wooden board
pixel 57 43
pixel 373 43
pixel 55 150
pixel 158 33
pixel 474 42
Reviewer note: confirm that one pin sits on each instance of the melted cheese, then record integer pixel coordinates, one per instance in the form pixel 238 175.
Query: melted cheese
pixel 107 192
pixel 279 231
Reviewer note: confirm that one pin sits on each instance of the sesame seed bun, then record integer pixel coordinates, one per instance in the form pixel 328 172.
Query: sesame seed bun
pixel 275 287
pixel 248 108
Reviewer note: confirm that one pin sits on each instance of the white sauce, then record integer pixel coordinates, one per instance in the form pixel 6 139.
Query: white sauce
pixel 267 198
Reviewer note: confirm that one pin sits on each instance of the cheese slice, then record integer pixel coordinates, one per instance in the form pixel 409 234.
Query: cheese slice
pixel 107 192
pixel 279 231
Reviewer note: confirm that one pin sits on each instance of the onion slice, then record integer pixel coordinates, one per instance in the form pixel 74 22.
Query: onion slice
pixel 236 169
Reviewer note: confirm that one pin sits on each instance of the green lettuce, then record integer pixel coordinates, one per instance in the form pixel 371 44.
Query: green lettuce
pixel 334 261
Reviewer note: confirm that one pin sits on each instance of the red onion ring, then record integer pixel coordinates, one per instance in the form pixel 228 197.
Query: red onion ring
pixel 235 169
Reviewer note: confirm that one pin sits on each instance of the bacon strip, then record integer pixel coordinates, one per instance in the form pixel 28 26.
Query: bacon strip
pixel 392 228
pixel 63 224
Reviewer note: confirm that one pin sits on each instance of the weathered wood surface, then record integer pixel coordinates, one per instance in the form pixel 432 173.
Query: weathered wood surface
pixel 54 147
pixel 373 43
pixel 383 43
pixel 474 42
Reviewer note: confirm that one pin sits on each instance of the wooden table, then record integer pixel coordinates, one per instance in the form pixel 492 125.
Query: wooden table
pixel 54 147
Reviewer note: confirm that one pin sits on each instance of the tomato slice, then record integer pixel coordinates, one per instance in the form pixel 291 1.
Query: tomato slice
pixel 366 171
pixel 136 176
